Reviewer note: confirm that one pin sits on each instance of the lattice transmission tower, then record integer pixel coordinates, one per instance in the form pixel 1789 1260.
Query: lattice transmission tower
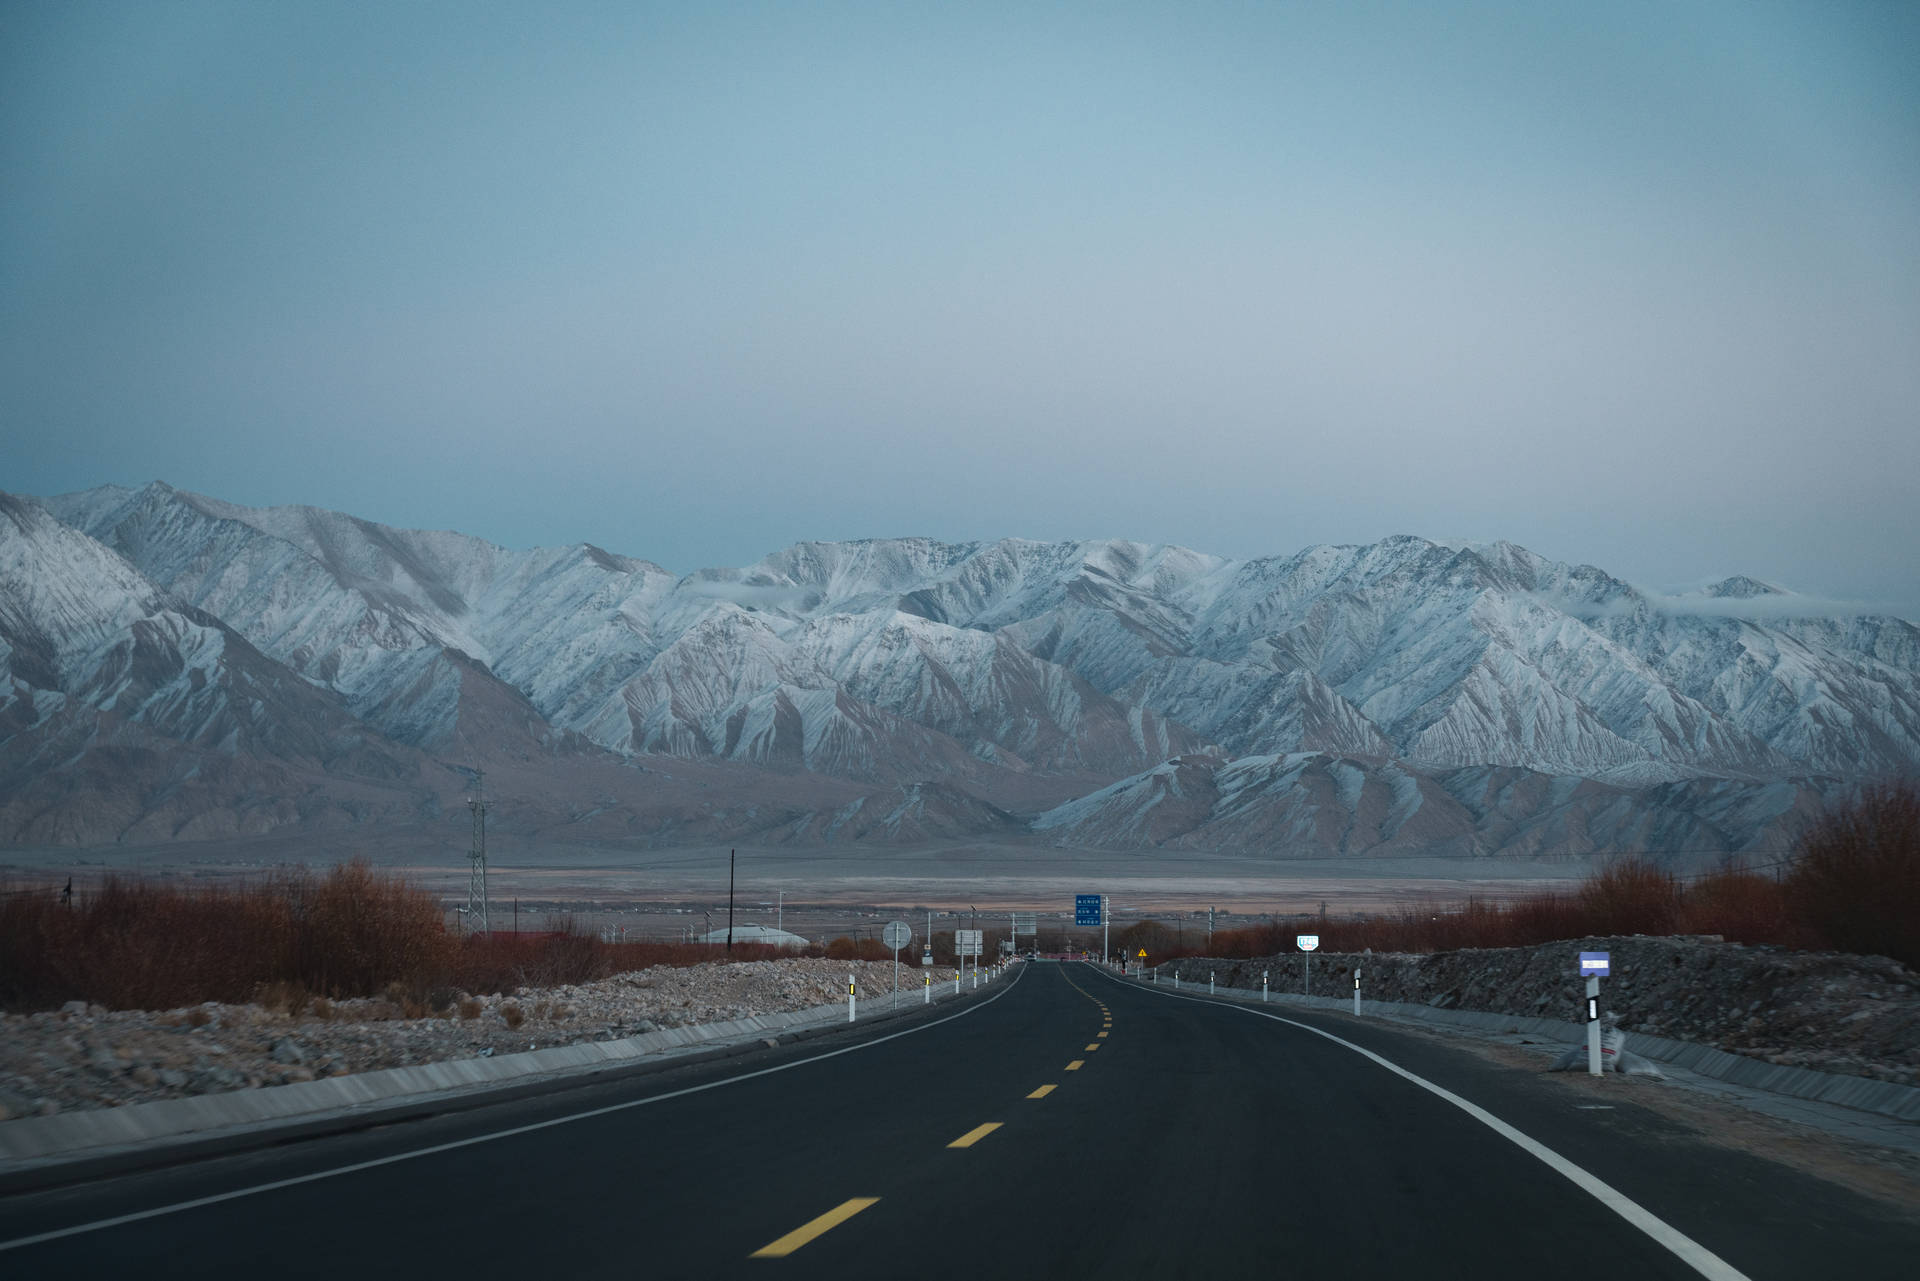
pixel 477 875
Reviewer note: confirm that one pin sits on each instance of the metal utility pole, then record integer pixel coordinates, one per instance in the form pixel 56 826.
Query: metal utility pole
pixel 477 871
pixel 730 901
pixel 1209 931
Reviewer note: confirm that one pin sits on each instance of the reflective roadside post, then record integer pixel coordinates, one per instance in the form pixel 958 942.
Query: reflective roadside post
pixel 1594 965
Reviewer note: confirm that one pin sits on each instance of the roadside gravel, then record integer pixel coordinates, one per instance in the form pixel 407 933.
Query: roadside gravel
pixel 84 1056
pixel 1829 1011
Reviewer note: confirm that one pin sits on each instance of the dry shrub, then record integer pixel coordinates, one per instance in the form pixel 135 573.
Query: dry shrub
pixel 850 949
pixel 360 930
pixel 512 1014
pixel 470 1008
pixel 322 1009
pixel 1856 880
pixel 132 944
pixel 1631 896
pixel 1742 907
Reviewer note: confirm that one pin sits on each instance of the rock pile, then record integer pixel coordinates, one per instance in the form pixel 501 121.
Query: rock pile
pixel 85 1056
pixel 1828 1011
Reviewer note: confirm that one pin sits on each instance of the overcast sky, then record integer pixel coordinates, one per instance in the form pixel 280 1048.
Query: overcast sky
pixel 1631 284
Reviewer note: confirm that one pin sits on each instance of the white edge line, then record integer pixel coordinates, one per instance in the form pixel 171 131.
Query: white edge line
pixel 1691 1252
pixel 175 1208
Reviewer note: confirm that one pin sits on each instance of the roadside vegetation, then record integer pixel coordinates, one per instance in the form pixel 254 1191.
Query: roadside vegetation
pixel 1853 885
pixel 295 938
pixel 299 938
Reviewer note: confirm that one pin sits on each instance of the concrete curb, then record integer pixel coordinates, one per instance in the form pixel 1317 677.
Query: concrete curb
pixel 42 1141
pixel 1861 1093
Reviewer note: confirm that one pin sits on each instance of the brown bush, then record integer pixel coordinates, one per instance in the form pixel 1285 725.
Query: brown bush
pixel 1856 879
pixel 130 944
pixel 1742 907
pixel 845 948
pixel 1630 896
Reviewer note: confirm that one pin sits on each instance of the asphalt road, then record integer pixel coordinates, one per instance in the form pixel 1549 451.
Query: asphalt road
pixel 1068 1123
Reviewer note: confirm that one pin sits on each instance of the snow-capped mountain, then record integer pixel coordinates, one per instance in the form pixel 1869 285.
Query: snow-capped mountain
pixel 127 712
pixel 1180 697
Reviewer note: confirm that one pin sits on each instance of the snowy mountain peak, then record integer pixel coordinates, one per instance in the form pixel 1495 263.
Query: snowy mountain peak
pixel 1740 587
pixel 1359 673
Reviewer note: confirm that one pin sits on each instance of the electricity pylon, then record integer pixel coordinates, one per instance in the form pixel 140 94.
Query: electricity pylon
pixel 477 876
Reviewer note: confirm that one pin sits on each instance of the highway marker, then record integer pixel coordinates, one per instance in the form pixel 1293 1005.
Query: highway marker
pixel 974 1135
pixel 806 1232
pixel 1042 1092
pixel 1103 1034
pixel 1075 1065
pixel 1092 1047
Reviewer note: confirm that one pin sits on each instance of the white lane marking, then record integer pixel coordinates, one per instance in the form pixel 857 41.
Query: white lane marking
pixel 397 1157
pixel 1685 1248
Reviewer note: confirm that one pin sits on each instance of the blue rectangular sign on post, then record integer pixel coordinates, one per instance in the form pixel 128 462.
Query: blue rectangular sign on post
pixel 1593 965
pixel 1086 909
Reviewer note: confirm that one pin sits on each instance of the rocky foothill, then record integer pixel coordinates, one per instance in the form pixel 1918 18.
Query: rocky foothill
pixel 85 1056
pixel 1828 1011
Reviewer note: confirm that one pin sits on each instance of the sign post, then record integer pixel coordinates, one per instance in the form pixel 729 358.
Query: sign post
pixel 896 936
pixel 1307 943
pixel 967 943
pixel 1090 910
pixel 1595 966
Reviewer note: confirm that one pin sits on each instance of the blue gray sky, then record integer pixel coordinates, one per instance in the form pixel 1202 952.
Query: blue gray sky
pixel 1636 284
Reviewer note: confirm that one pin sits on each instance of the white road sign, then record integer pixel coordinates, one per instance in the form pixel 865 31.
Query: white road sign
pixel 967 942
pixel 1308 942
pixel 897 935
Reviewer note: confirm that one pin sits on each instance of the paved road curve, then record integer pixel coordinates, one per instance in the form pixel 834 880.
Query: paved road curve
pixel 1069 1124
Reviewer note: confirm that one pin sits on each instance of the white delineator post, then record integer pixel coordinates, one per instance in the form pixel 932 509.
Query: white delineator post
pixel 1263 987
pixel 928 1000
pixel 1593 1026
pixel 849 998
pixel 1209 982
pixel 1356 991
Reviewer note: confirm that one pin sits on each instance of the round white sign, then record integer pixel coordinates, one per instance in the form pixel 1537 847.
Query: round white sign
pixel 897 935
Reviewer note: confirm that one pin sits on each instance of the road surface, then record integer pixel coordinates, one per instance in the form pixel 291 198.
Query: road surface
pixel 1066 1123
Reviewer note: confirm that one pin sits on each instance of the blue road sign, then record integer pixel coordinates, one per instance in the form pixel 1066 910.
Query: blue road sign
pixel 1593 965
pixel 1086 909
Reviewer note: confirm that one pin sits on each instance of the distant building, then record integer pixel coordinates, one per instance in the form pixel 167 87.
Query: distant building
pixel 762 934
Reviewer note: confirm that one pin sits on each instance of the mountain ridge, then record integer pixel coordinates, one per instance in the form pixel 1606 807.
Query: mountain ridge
pixel 1005 671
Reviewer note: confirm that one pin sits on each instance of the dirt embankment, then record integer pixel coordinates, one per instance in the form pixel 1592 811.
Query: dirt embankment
pixel 1824 1010
pixel 85 1056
